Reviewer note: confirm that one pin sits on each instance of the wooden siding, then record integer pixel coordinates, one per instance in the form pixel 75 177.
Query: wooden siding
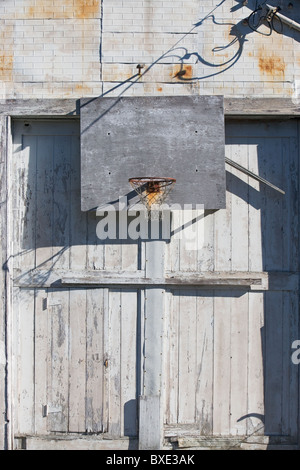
pixel 226 368
pixel 64 381
pixel 60 343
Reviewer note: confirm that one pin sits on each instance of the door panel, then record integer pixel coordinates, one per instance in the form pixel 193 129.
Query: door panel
pixel 76 350
pixel 228 369
pixel 226 352
pixel 73 377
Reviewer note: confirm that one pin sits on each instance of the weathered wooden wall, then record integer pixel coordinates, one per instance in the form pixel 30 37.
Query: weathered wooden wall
pixel 61 347
pixel 226 367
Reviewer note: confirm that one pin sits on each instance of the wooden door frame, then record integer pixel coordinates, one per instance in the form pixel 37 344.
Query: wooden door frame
pixel 242 108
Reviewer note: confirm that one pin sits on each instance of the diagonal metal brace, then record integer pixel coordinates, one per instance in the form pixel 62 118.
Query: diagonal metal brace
pixel 252 175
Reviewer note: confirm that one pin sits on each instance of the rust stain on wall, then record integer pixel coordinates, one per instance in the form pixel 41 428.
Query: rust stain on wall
pixel 82 89
pixel 79 9
pixel 87 8
pixel 273 65
pixel 6 66
pixel 183 72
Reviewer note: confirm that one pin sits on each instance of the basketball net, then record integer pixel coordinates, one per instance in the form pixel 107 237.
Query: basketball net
pixel 152 192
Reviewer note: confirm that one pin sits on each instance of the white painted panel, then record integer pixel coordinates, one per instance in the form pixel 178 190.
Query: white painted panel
pixel 114 363
pixel 252 331
pixel 205 343
pixel 43 201
pixel 24 400
pixel 77 360
pixel 254 207
pixel 95 359
pixel 187 362
pixel 58 363
pixel 129 363
pixel 42 348
pixel 171 357
pixel 239 210
pixel 255 413
pixel 222 364
pixel 239 360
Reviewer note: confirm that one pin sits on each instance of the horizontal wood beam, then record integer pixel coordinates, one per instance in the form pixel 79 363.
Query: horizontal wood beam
pixel 260 107
pixel 122 279
pixel 233 107
pixel 71 442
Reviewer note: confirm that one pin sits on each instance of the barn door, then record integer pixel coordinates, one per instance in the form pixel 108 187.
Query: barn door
pixel 75 347
pixel 228 369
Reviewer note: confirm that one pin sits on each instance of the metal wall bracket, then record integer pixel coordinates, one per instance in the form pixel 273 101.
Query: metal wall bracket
pixel 48 409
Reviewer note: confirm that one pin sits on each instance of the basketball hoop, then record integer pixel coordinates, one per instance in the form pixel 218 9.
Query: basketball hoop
pixel 152 192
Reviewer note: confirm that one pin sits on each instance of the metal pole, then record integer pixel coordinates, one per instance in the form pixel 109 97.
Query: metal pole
pixel 293 24
pixel 252 175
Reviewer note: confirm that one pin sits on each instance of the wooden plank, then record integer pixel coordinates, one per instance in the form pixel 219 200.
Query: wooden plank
pixel 61 201
pixel 290 373
pixel 25 362
pixel 239 210
pixel 78 219
pixel 287 281
pixel 233 107
pixel 290 211
pixel 77 360
pixel 154 316
pixel 182 278
pixel 202 442
pixel 273 363
pixel 239 364
pixel 172 253
pixel 129 363
pixel 25 199
pixel 187 358
pixel 259 107
pixel 41 354
pixel 255 413
pixel 154 303
pixel 115 409
pixel 157 282
pixel 106 356
pixel 79 443
pixel 206 253
pixel 221 398
pixel 39 107
pixel 223 225
pixel 150 425
pixel 255 202
pixel 95 360
pixel 95 247
pixel 153 342
pixel 189 241
pixel 44 201
pixel 272 203
pixel 204 369
pixel 58 367
pixel 171 355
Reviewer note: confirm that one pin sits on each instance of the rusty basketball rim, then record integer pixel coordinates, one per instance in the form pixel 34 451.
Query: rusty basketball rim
pixel 152 190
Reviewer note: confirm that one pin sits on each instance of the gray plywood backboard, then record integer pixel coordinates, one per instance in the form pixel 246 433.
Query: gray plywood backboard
pixel 180 137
